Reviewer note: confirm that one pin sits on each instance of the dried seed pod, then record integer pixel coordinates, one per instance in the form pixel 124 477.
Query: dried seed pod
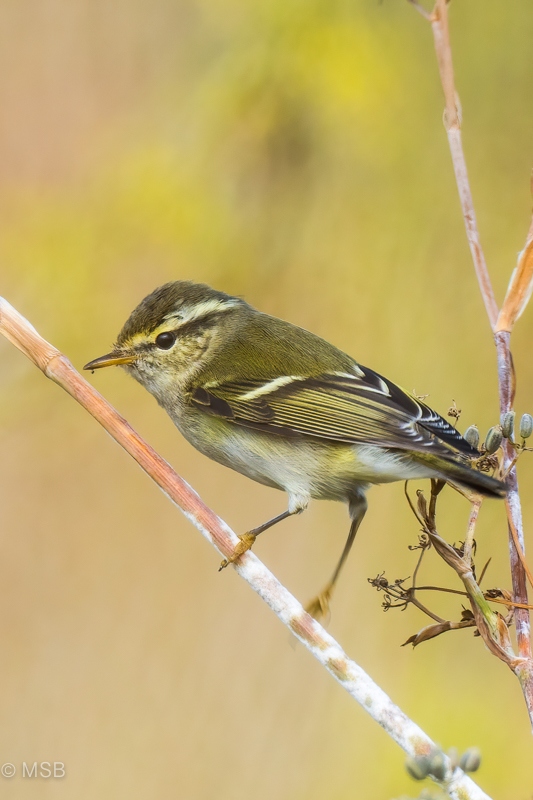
pixel 472 436
pixel 526 426
pixel 437 765
pixel 453 755
pixel 470 760
pixel 507 421
pixel 417 767
pixel 494 439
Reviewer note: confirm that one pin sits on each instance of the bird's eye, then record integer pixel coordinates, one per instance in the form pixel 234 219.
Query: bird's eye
pixel 165 340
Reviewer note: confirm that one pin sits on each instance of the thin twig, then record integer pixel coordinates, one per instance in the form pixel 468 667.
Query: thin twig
pixel 499 600
pixel 519 550
pixel 325 649
pixel 440 589
pixel 469 539
pixel 508 603
pixel 413 509
pixel 483 571
pixel 421 9
pixel 410 598
pixel 520 288
pixel 418 564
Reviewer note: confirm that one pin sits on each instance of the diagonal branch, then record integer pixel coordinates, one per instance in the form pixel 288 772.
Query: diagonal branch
pixel 324 648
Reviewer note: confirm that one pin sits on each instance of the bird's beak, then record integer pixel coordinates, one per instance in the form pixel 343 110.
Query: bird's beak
pixel 111 360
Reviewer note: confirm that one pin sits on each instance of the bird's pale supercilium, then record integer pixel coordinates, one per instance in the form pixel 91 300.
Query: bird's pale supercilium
pixel 283 406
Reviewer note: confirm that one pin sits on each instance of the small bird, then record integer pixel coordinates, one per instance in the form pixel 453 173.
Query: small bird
pixel 283 406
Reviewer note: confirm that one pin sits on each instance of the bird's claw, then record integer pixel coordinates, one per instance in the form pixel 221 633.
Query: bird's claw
pixel 319 606
pixel 245 544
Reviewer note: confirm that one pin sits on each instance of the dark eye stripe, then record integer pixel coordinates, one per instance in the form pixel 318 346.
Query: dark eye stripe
pixel 200 323
pixel 166 339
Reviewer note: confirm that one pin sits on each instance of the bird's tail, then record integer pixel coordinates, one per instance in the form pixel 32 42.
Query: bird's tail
pixel 459 473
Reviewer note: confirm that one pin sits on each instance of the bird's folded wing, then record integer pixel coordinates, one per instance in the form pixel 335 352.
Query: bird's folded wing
pixel 355 408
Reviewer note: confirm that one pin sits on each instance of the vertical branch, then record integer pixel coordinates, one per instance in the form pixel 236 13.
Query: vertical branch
pixel 452 123
pixel 514 513
pixel 518 294
pixel 516 299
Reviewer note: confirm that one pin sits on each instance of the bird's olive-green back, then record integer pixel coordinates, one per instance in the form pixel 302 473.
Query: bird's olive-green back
pixel 258 346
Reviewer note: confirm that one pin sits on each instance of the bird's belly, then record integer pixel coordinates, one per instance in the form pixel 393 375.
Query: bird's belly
pixel 304 467
pixel 270 460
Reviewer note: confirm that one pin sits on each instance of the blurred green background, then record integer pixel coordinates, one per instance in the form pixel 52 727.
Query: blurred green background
pixel 293 153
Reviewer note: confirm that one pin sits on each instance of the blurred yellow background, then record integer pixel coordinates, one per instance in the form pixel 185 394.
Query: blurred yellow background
pixel 293 153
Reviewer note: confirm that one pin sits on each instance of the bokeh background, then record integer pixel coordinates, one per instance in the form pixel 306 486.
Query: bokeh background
pixel 293 153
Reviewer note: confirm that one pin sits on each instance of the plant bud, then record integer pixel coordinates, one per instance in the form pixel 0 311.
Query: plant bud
pixel 507 421
pixel 494 439
pixel 526 426
pixel 472 436
pixel 470 760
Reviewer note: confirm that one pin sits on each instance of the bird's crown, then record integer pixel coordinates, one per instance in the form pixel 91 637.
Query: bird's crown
pixel 179 302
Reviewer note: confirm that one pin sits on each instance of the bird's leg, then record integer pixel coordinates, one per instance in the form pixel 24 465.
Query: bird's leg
pixel 319 606
pixel 247 539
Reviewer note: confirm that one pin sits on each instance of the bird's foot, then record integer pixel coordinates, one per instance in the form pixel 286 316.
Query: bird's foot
pixel 245 544
pixel 319 606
